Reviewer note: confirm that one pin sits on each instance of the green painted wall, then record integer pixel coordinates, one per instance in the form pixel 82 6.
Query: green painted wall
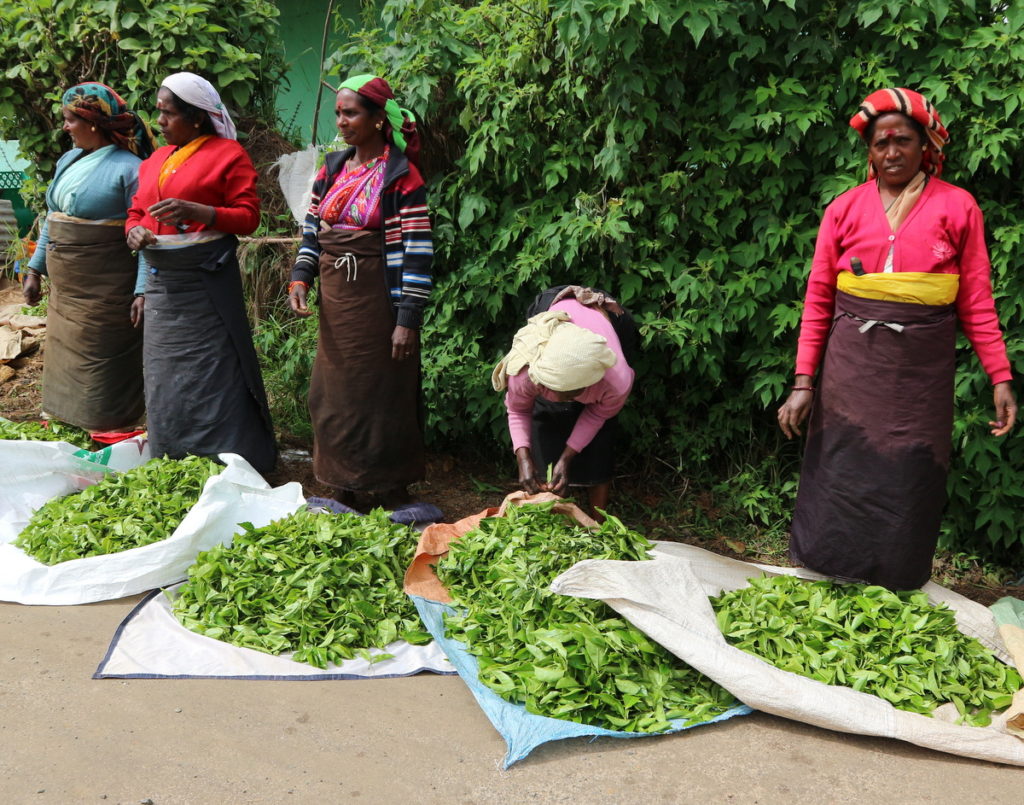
pixel 302 26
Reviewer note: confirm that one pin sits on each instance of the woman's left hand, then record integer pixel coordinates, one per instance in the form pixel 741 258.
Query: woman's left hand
pixel 405 343
pixel 559 482
pixel 1006 408
pixel 174 211
pixel 138 307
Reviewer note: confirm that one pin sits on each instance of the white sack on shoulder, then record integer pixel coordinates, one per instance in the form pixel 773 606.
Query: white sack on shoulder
pixel 237 494
pixel 667 598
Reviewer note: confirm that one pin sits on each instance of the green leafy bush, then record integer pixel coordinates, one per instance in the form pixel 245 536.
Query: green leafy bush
pixel 680 155
pixel 286 345
pixel 49 45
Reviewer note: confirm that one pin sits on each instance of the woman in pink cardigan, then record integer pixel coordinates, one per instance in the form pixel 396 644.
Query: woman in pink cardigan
pixel 899 260
pixel 566 378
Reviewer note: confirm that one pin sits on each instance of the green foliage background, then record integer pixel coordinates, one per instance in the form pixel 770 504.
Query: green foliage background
pixel 47 46
pixel 680 155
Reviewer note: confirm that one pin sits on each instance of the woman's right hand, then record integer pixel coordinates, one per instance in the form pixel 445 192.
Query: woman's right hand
pixel 30 285
pixel 297 299
pixel 797 407
pixel 139 237
pixel 527 473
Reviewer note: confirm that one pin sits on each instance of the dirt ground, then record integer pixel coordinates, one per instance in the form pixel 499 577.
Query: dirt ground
pixel 66 738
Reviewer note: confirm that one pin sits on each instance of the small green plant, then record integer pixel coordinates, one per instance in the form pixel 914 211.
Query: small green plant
pixel 286 346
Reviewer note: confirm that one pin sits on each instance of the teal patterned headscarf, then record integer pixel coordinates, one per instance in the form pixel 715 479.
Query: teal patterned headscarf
pixel 107 111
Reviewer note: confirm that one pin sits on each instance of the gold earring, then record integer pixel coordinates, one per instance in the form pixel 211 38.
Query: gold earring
pixel 196 125
pixel 92 128
pixel 380 126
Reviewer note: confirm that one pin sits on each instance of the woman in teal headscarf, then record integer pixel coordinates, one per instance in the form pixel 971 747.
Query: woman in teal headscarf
pixel 92 374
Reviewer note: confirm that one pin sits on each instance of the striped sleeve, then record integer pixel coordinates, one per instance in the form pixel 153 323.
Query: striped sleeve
pixel 307 261
pixel 416 255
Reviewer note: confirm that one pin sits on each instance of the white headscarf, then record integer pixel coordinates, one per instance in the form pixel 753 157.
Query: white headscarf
pixel 199 92
pixel 562 356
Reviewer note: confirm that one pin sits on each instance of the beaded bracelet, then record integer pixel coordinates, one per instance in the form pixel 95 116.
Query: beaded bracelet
pixel 293 283
pixel 802 388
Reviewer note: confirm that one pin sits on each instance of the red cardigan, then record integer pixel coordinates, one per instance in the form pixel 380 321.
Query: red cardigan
pixel 944 234
pixel 220 174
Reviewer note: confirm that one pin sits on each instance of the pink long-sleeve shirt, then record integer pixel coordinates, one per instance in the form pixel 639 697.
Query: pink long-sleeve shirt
pixel 943 234
pixel 601 401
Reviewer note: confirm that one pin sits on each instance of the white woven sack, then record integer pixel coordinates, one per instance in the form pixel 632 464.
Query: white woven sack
pixel 667 598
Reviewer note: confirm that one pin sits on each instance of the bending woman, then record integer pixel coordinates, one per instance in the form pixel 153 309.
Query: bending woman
pixel 561 409
pixel 899 260
pixel 204 392
pixel 367 237
pixel 92 375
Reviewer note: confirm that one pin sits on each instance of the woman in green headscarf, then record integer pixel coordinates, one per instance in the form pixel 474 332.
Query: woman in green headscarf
pixel 367 236
pixel 92 374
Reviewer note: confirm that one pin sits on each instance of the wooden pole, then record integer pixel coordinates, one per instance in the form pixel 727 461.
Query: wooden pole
pixel 323 55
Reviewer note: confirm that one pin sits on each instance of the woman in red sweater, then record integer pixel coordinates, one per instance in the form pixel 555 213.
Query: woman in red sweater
pixel 204 392
pixel 899 260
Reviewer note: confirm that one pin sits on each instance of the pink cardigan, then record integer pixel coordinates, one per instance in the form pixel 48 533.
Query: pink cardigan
pixel 943 234
pixel 601 401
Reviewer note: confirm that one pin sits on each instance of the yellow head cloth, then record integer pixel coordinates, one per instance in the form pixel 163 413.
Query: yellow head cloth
pixel 561 355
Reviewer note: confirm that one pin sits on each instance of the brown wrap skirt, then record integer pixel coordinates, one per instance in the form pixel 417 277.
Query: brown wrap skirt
pixel 364 406
pixel 92 374
pixel 873 482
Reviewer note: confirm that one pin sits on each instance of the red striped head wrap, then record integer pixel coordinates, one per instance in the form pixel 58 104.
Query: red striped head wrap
pixel 400 126
pixel 913 105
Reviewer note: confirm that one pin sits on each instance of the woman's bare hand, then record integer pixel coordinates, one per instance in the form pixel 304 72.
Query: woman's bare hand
pixel 139 237
pixel 138 310
pixel 297 297
pixel 797 407
pixel 1006 408
pixel 527 472
pixel 405 343
pixel 30 285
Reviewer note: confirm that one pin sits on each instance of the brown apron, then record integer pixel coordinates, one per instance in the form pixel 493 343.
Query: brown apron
pixel 364 405
pixel 873 481
pixel 92 374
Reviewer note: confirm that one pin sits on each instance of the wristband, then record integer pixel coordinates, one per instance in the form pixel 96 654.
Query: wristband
pixel 291 285
pixel 802 388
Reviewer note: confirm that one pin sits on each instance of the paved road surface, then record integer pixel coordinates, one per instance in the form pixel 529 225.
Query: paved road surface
pixel 66 738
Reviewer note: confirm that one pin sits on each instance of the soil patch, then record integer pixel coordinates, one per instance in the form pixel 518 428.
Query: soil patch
pixel 21 393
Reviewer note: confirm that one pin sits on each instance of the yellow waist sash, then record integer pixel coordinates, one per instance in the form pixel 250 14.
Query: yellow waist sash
pixel 915 287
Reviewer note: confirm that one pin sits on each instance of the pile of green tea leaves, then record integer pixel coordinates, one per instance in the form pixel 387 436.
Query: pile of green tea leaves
pixel 124 510
pixel 897 646
pixel 326 587
pixel 564 657
pixel 51 432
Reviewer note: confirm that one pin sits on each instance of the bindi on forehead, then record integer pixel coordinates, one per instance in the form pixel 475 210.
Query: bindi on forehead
pixel 890 133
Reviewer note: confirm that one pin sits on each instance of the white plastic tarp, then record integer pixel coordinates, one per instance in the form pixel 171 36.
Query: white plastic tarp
pixel 668 599
pixel 238 494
